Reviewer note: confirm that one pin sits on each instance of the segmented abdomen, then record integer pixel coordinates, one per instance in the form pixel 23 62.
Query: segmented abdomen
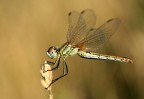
pixel 91 55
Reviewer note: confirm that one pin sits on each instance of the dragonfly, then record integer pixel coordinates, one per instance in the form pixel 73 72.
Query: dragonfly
pixel 83 39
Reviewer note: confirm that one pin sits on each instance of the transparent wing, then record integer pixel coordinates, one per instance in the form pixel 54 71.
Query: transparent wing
pixel 79 25
pixel 73 18
pixel 96 38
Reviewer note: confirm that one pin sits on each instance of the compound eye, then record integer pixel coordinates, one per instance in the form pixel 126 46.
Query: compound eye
pixel 52 52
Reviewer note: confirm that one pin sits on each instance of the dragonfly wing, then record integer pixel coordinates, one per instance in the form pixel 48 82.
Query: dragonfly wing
pixel 96 38
pixel 73 18
pixel 79 25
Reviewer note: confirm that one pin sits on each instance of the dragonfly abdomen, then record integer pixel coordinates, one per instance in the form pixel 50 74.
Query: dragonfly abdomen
pixel 98 56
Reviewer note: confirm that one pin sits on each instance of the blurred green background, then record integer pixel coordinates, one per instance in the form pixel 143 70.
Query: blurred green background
pixel 29 27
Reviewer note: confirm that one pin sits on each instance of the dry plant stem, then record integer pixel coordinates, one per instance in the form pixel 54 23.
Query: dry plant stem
pixel 47 78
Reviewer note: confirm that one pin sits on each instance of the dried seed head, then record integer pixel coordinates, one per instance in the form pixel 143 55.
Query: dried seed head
pixel 47 75
pixel 47 78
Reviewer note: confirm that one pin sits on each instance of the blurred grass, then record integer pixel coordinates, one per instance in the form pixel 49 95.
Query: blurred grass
pixel 29 27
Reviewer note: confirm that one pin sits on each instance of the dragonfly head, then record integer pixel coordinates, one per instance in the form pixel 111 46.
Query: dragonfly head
pixel 52 52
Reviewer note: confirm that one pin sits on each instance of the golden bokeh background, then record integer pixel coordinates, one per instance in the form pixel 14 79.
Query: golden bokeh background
pixel 29 27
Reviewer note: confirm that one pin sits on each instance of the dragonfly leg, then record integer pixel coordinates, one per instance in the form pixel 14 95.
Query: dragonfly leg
pixel 48 62
pixel 56 65
pixel 65 72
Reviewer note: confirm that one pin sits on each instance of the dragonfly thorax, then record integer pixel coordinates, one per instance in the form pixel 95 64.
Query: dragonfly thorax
pixel 68 50
pixel 52 52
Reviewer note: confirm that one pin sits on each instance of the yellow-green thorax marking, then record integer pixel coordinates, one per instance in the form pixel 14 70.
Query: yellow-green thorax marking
pixel 68 50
